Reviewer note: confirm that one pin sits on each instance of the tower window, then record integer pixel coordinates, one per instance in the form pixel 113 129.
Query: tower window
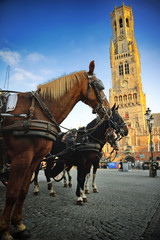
pixel 130 97
pixel 115 99
pixel 121 69
pixel 135 96
pixel 127 22
pixel 126 68
pixel 116 49
pixel 120 23
pixel 115 26
pixel 120 98
pixel 125 97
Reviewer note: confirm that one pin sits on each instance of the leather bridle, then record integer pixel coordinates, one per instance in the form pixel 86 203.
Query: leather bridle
pixel 97 86
pixel 114 118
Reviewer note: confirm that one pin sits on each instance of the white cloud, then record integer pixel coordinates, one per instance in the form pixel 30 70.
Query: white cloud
pixel 35 57
pixel 9 57
pixel 23 74
pixel 25 80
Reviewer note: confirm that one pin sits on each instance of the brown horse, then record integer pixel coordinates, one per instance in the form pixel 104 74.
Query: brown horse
pixel 25 143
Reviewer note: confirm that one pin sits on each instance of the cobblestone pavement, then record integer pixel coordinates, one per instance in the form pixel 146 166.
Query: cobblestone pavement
pixel 126 207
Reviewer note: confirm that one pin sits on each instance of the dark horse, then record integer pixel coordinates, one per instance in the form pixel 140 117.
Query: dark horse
pixel 27 141
pixel 112 138
pixel 83 148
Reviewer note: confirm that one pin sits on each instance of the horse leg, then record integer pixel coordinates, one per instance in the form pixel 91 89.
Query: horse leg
pixel 20 230
pixel 87 173
pixel 87 183
pixel 51 189
pixel 95 167
pixel 81 197
pixel 64 177
pixel 69 177
pixel 18 170
pixel 49 183
pixel 95 190
pixel 36 185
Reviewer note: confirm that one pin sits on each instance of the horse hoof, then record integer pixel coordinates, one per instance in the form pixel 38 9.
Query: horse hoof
pixel 80 202
pixel 36 193
pixel 85 200
pixel 70 184
pixel 95 190
pixel 53 194
pixel 65 185
pixel 87 191
pixel 22 235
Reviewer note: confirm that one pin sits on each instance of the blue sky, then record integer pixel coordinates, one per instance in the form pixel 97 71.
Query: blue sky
pixel 41 40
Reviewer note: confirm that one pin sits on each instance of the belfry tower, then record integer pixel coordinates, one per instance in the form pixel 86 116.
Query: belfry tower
pixel 126 70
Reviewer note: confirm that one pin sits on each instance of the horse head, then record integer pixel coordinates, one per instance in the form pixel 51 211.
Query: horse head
pixel 112 138
pixel 93 94
pixel 117 122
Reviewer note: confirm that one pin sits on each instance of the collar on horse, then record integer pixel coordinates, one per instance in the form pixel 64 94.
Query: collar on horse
pixel 35 95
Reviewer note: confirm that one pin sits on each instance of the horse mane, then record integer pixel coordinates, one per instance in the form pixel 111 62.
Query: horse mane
pixel 93 123
pixel 55 89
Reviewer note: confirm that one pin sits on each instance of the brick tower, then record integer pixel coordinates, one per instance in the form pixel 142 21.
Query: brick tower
pixel 127 91
pixel 126 70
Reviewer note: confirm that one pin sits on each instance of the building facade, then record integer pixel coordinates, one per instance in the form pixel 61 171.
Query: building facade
pixel 127 90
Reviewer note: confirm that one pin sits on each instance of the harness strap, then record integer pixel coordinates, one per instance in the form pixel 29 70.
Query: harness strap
pixel 45 109
pixel 89 86
pixel 22 128
pixel 31 109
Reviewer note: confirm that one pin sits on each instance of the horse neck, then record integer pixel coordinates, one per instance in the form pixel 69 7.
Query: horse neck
pixel 58 145
pixel 63 106
pixel 98 134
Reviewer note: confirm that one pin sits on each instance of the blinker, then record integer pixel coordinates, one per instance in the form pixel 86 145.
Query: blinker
pixel 99 85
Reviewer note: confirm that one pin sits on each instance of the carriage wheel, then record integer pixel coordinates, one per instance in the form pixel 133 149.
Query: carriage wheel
pixel 32 178
pixel 59 177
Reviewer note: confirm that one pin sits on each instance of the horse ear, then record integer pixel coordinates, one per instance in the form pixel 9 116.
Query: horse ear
pixel 91 67
pixel 113 107
pixel 117 107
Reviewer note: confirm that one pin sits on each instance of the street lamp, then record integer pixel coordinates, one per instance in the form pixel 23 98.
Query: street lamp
pixel 150 120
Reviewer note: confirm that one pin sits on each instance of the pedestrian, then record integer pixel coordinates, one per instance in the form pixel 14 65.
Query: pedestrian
pixel 143 166
pixel 120 165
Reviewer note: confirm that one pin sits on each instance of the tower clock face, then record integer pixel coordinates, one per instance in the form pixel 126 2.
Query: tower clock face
pixel 124 83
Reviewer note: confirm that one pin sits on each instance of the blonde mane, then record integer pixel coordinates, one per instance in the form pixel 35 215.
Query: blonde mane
pixel 57 88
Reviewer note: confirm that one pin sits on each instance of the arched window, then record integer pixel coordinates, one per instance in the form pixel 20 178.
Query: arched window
pixel 127 22
pixel 115 99
pixel 129 97
pixel 126 68
pixel 135 96
pixel 120 23
pixel 125 97
pixel 115 26
pixel 121 69
pixel 120 98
